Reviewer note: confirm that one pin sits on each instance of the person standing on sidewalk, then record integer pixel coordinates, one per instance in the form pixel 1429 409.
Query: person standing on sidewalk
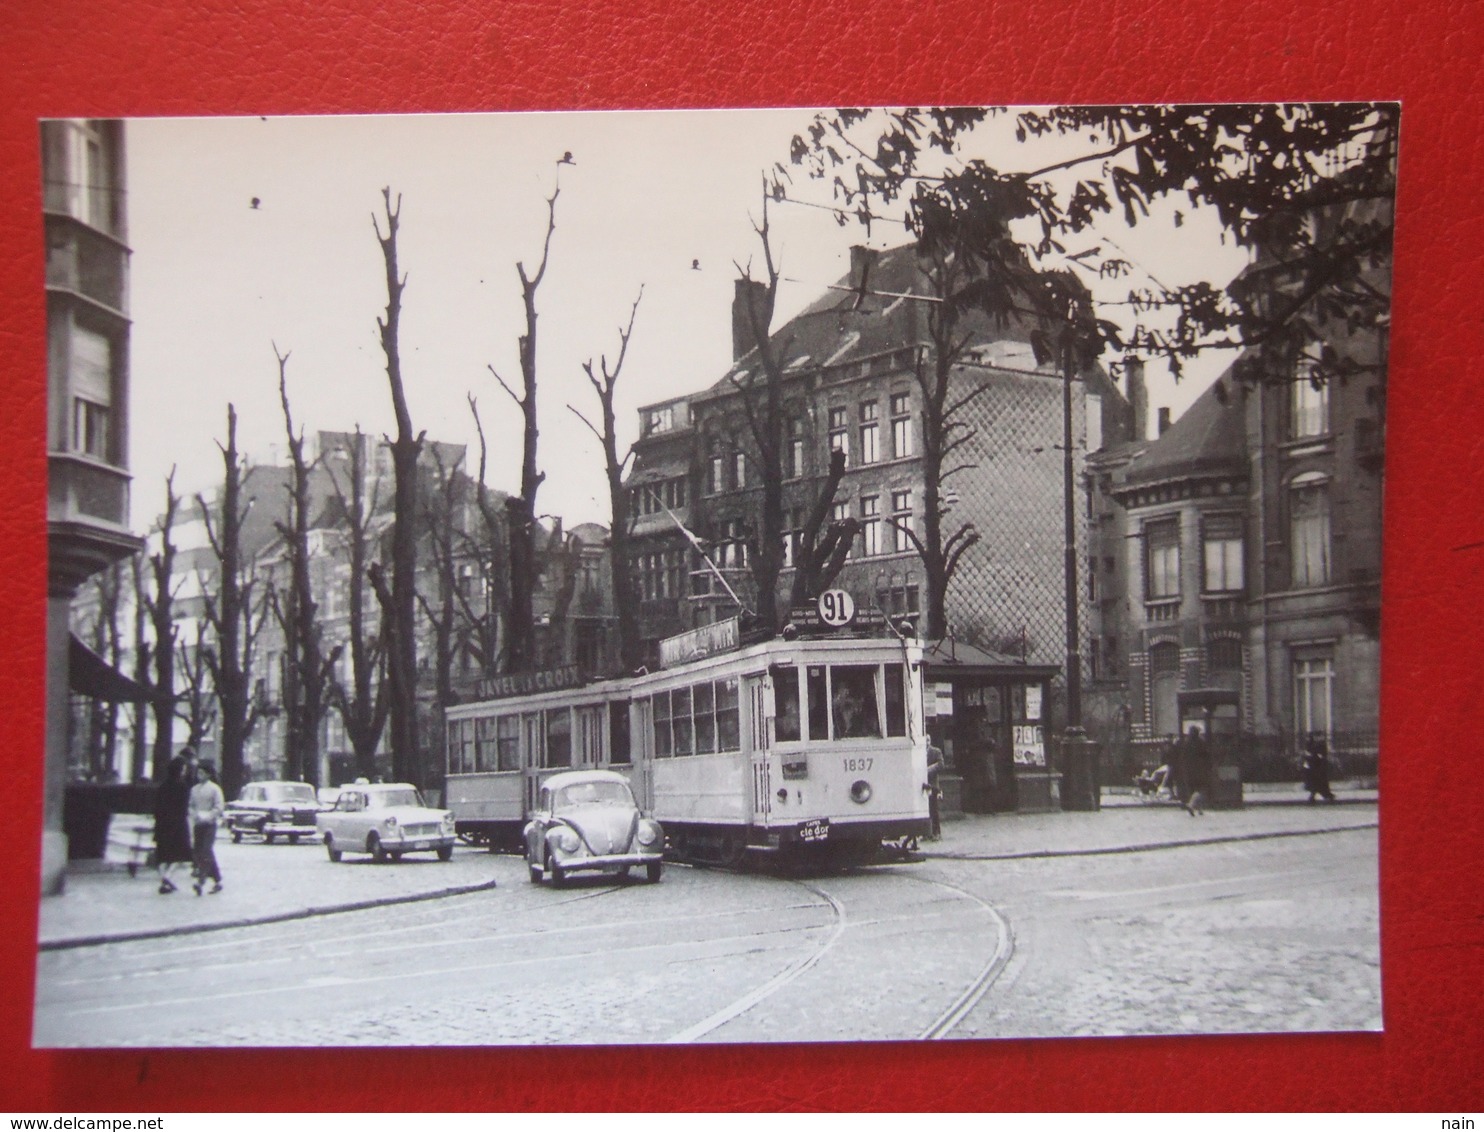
pixel 1316 768
pixel 172 823
pixel 934 791
pixel 1196 759
pixel 207 807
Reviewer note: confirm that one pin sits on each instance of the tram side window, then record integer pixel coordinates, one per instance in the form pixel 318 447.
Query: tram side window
pixel 485 758
pixel 728 723
pixel 559 737
pixel 817 693
pixel 590 735
pixel 458 737
pixel 507 742
pixel 704 703
pixel 856 715
pixel 785 702
pixel 618 733
pixel 896 701
pixel 680 721
pixel 662 747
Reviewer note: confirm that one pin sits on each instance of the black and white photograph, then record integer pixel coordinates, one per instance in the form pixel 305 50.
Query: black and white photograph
pixel 727 576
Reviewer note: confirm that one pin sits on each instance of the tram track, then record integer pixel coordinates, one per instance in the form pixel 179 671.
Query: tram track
pixel 980 985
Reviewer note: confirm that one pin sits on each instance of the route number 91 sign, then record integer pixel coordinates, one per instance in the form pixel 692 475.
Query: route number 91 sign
pixel 836 608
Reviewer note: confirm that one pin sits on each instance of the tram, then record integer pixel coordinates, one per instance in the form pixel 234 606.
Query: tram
pixel 812 747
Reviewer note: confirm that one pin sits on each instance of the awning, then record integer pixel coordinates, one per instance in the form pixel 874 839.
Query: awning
pixel 90 675
pixel 947 658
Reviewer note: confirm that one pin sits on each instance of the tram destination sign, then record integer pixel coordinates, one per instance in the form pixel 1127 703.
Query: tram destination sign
pixel 704 640
pixel 526 683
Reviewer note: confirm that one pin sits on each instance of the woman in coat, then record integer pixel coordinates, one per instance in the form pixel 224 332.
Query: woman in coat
pixel 172 825
pixel 1316 768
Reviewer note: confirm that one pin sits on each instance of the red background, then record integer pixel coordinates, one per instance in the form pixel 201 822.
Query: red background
pixel 106 58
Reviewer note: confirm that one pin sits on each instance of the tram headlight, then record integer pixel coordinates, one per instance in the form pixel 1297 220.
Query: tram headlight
pixel 566 840
pixel 860 791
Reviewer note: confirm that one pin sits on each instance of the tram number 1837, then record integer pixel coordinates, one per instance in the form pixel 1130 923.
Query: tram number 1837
pixel 857 765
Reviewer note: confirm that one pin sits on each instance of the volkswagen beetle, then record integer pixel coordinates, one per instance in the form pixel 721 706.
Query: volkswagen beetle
pixel 586 821
pixel 385 820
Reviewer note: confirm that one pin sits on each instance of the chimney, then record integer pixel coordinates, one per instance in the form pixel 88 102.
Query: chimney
pixel 862 262
pixel 756 292
pixel 1138 397
pixel 1164 419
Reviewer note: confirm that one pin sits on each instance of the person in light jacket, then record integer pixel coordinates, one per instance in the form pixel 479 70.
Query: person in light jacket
pixel 207 807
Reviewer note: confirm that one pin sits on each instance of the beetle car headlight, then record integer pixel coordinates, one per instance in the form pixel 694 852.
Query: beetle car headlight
pixel 566 840
pixel 649 833
pixel 860 791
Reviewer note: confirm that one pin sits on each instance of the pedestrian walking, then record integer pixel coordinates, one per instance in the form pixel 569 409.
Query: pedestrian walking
pixel 1316 768
pixel 172 823
pixel 1196 761
pixel 207 807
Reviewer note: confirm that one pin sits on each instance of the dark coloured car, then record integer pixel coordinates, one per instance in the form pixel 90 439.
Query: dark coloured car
pixel 272 810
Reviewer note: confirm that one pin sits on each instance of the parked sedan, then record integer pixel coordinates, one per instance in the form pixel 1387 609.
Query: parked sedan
pixel 385 820
pixel 587 822
pixel 273 809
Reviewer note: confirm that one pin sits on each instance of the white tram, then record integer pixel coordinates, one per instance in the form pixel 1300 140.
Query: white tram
pixel 813 747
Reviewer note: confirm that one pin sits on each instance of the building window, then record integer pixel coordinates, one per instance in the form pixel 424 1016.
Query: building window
pixel 1222 551
pixel 901 425
pixel 1309 407
pixel 840 433
pixel 659 420
pixel 795 466
pixel 1110 655
pixel 739 469
pixel 901 520
pixel 1224 654
pixel 1162 559
pixel 839 514
pixel 1094 421
pixel 1313 694
pixel 793 535
pixel 90 428
pixel 1309 517
pixel 731 549
pixel 715 469
pixel 870 433
pixel 870 525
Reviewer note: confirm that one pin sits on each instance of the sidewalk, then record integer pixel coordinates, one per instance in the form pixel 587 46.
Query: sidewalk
pixel 1127 824
pixel 283 883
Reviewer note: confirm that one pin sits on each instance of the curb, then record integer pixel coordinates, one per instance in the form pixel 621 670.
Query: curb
pixel 71 942
pixel 1141 848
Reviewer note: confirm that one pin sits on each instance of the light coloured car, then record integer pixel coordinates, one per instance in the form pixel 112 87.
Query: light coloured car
pixel 586 821
pixel 385 819
pixel 272 810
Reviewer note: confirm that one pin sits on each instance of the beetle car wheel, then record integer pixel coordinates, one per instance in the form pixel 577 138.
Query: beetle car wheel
pixel 334 853
pixel 535 873
pixel 445 852
pixel 653 870
pixel 268 837
pixel 557 873
pixel 376 849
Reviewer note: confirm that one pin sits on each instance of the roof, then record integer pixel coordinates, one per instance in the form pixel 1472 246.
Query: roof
pixel 1209 438
pixel 840 327
pixel 949 657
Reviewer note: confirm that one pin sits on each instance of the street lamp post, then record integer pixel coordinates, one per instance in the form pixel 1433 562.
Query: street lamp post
pixel 1080 786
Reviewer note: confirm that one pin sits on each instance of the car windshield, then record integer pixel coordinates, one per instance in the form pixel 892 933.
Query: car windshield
pixel 289 792
pixel 593 794
pixel 386 799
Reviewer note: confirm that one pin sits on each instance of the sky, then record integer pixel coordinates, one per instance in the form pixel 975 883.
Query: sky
pixel 665 201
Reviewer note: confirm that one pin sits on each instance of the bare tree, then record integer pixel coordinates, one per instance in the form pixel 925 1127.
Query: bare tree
pixel 309 669
pixel 230 614
pixel 630 643
pixel 398 598
pixel 521 509
pixel 364 705
pixel 143 657
pixel 823 545
pixel 197 703
pixel 486 617
pixel 160 601
pixel 444 506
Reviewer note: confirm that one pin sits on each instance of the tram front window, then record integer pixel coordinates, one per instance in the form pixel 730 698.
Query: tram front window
pixel 817 691
pixel 856 715
pixel 785 679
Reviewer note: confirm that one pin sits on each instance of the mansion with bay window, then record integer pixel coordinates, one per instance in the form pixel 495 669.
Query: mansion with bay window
pixel 1253 564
